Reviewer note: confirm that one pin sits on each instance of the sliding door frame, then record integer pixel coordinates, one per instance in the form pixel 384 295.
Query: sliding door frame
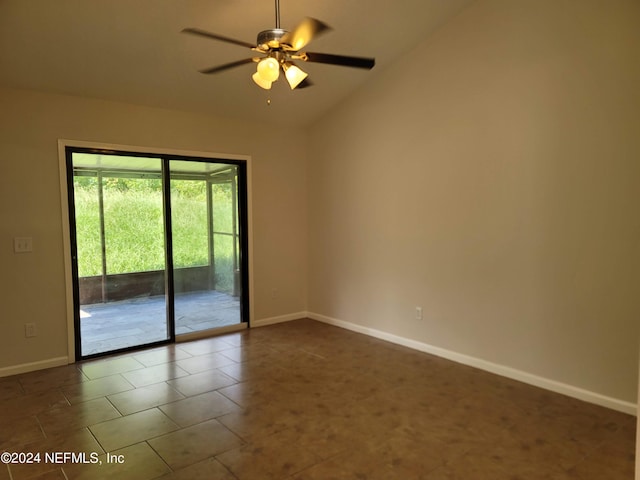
pixel 242 162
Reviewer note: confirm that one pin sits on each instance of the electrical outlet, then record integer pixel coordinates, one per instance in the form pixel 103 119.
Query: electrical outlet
pixel 22 244
pixel 30 330
pixel 419 313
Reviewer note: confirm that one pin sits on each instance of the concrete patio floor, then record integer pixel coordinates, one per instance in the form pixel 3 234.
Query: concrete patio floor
pixel 111 326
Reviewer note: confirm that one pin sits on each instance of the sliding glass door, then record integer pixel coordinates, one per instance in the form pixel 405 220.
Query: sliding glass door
pixel 157 248
pixel 205 263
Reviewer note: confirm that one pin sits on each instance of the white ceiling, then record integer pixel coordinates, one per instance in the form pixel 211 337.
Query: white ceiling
pixel 133 51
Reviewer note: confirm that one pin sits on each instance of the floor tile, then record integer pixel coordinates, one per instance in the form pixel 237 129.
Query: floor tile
pixel 51 378
pixel 204 346
pixel 273 457
pixel 248 352
pixel 199 408
pixel 605 462
pixel 256 422
pixel 10 388
pixel 193 444
pixel 124 431
pixel 208 469
pixel 158 356
pixel 144 398
pixel 242 371
pixel 155 374
pixel 55 474
pixel 105 368
pixel 98 388
pixel 140 462
pixel 14 433
pixel 76 441
pixel 356 466
pixel 77 416
pixel 200 363
pixel 497 464
pixel 201 382
pixel 31 404
pixel 80 440
pixel 322 437
pixel 252 393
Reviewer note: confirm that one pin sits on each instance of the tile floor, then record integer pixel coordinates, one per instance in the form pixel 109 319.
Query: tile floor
pixel 110 326
pixel 302 401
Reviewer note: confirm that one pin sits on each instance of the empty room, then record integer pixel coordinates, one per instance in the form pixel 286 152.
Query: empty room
pixel 319 239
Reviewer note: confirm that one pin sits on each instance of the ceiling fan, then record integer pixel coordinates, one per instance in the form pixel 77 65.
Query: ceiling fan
pixel 279 48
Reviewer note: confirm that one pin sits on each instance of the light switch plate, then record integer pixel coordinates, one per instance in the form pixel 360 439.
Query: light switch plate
pixel 30 330
pixel 22 244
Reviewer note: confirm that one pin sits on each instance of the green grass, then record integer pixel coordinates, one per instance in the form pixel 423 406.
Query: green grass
pixel 134 230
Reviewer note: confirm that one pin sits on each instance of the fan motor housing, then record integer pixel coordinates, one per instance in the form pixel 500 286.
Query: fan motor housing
pixel 269 39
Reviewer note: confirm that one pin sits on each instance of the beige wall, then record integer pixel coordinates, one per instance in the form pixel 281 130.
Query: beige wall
pixel 32 285
pixel 491 177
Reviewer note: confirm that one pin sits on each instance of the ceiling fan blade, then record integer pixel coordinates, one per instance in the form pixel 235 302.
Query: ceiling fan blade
pixel 342 60
pixel 227 66
pixel 215 36
pixel 303 33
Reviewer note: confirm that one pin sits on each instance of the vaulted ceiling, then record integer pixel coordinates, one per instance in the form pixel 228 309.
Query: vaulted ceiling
pixel 133 51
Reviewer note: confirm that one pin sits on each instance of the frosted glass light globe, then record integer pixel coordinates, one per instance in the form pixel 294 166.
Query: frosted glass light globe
pixel 260 81
pixel 269 69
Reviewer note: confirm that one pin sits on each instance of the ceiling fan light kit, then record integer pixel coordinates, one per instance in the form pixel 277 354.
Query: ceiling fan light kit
pixel 261 82
pixel 293 74
pixel 268 69
pixel 279 48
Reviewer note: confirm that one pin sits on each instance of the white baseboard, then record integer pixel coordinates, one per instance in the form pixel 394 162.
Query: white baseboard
pixel 263 322
pixel 548 384
pixel 32 366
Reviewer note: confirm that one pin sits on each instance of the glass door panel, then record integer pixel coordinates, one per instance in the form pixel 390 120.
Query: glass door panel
pixel 120 251
pixel 204 265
